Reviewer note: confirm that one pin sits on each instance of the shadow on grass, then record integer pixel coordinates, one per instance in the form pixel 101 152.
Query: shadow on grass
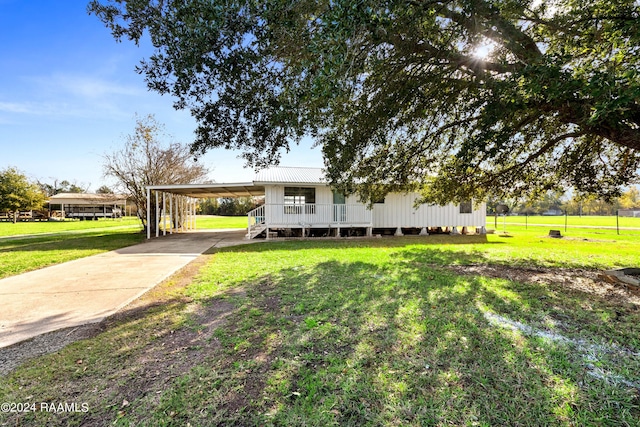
pixel 340 342
pixel 353 343
pixel 388 243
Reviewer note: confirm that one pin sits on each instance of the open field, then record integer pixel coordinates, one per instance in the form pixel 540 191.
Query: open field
pixel 44 227
pixel 442 330
pixel 213 221
pixel 572 221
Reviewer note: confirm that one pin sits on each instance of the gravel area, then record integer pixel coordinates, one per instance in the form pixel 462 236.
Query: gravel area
pixel 13 356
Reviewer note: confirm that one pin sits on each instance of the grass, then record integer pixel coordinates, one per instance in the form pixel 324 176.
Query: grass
pixel 213 221
pixel 572 221
pixel 362 332
pixel 42 227
pixel 27 246
pixel 579 248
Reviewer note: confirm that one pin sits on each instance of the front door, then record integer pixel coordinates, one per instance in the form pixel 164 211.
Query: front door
pixel 339 207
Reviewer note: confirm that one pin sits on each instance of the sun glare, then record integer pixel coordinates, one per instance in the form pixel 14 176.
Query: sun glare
pixel 483 51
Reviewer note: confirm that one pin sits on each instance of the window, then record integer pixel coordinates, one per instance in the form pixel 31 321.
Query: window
pixel 466 207
pixel 297 197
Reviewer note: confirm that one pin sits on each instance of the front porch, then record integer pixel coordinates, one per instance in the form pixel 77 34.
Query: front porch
pixel 306 217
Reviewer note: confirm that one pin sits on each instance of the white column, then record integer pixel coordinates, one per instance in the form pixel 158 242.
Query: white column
pixel 193 214
pixel 148 213
pixel 170 213
pixel 176 222
pixel 157 215
pixel 186 214
pixel 194 206
pixel 179 213
pixel 164 214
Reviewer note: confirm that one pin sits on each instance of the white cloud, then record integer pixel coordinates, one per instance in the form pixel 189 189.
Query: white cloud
pixel 91 87
pixel 14 107
pixel 83 86
pixel 67 95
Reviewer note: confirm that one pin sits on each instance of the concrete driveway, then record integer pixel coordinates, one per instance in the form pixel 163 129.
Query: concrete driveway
pixel 89 289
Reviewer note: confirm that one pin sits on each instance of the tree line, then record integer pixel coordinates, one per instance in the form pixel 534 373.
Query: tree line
pixel 229 206
pixel 559 202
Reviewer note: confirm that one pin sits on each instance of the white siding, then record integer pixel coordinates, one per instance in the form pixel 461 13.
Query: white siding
pixel 398 211
pixel 273 194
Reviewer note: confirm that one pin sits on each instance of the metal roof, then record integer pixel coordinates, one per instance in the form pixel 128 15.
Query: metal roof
pixel 236 189
pixel 275 175
pixel 86 198
pixel 290 175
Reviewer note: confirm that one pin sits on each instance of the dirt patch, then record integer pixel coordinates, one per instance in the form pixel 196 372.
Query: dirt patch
pixel 261 298
pixel 578 280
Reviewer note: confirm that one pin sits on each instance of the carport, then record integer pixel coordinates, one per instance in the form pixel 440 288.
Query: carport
pixel 181 199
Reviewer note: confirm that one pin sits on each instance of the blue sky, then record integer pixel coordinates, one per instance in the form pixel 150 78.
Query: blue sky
pixel 69 94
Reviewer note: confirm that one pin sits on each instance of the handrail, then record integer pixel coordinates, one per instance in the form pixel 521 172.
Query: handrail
pixel 293 215
pixel 255 218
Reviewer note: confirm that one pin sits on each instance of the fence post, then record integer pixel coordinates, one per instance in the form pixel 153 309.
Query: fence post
pixel 617 221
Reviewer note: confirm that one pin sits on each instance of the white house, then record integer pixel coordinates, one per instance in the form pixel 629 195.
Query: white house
pixel 299 202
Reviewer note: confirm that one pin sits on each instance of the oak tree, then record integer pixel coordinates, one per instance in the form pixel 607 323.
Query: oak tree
pixel 456 98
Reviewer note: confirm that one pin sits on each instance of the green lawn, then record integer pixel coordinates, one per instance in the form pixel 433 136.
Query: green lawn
pixel 213 221
pixel 365 332
pixel 42 227
pixel 571 220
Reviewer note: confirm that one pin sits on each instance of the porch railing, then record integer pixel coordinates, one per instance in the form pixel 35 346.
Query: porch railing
pixel 308 215
pixel 256 221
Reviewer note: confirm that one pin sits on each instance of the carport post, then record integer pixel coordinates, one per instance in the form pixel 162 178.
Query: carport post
pixel 164 214
pixel 148 213
pixel 157 215
pixel 188 213
pixel 171 213
pixel 192 219
pixel 194 206
pixel 176 223
pixel 193 214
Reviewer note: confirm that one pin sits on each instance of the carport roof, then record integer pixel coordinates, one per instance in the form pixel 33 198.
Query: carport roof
pixel 274 175
pixel 236 189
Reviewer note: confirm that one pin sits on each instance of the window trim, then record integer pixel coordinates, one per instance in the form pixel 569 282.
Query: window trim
pixel 466 207
pixel 299 197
